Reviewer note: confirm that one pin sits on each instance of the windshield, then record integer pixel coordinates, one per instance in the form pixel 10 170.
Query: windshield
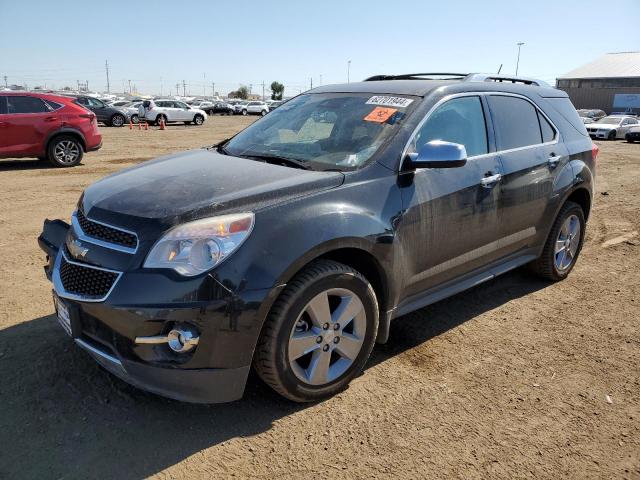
pixel 324 131
pixel 610 120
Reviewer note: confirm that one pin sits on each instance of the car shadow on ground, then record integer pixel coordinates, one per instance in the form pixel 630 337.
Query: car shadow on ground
pixel 62 416
pixel 26 164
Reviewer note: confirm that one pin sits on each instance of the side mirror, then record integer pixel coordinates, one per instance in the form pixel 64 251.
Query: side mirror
pixel 437 154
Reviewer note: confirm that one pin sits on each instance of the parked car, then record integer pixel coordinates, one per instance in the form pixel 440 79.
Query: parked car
pixel 611 127
pixel 633 134
pixel 292 246
pixel 110 116
pixel 593 114
pixel 255 108
pixel 48 127
pixel 221 108
pixel 175 111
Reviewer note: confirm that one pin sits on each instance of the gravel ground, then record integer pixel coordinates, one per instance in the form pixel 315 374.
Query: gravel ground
pixel 517 378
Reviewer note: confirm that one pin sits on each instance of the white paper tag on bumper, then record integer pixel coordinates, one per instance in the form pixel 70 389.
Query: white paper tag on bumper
pixel 389 101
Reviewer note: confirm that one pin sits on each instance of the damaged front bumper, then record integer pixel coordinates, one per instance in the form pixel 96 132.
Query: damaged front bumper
pixel 150 303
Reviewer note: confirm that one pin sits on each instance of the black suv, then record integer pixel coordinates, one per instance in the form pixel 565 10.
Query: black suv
pixel 110 116
pixel 292 246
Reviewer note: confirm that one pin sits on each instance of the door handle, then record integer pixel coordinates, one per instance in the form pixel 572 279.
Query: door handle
pixel 491 180
pixel 554 160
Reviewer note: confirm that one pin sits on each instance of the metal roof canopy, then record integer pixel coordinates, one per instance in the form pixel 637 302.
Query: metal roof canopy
pixel 610 65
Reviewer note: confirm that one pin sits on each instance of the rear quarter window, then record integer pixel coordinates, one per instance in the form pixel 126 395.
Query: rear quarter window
pixel 565 108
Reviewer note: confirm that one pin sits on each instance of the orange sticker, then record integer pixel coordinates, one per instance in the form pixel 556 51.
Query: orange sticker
pixel 380 114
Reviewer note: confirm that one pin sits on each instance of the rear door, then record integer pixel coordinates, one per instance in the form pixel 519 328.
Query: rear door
pixel 450 225
pixel 28 122
pixel 531 156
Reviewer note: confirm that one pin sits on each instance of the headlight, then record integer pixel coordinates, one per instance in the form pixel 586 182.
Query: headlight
pixel 196 247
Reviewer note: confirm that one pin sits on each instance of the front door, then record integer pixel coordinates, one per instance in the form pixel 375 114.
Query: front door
pixel 450 223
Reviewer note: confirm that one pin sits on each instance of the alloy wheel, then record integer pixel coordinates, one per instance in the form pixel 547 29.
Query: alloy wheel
pixel 567 243
pixel 327 336
pixel 66 152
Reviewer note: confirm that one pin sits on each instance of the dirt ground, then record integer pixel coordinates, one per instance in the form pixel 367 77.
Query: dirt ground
pixel 517 378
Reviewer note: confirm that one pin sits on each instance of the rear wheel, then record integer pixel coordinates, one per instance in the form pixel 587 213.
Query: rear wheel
pixel 563 245
pixel 319 333
pixel 117 120
pixel 198 119
pixel 65 151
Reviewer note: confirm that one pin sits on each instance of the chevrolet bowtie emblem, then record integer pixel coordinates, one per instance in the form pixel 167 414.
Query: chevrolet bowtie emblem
pixel 76 249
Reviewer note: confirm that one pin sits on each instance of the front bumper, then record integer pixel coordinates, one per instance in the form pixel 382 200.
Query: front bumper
pixel 228 323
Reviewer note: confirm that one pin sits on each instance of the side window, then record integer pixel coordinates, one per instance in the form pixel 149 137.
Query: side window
pixel 548 133
pixel 26 105
pixel 460 120
pixel 516 122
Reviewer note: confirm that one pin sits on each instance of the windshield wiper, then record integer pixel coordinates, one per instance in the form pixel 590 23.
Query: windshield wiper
pixel 276 160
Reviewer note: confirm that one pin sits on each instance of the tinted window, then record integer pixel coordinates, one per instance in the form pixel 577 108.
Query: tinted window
pixel 515 121
pixel 26 105
pixel 460 120
pixel 548 133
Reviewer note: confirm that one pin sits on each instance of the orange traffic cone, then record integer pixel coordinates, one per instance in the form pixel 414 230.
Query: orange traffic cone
pixel 162 123
pixel 146 126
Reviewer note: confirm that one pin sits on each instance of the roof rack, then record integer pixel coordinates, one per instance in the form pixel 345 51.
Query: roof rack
pixel 465 77
pixel 418 76
pixel 489 77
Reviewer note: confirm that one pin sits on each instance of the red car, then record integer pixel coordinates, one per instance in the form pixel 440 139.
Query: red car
pixel 46 126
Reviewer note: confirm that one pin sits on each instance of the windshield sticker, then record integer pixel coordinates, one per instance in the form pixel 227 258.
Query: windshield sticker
pixel 389 101
pixel 380 114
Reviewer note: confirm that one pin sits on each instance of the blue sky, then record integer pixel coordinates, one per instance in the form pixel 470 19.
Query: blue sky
pixel 232 43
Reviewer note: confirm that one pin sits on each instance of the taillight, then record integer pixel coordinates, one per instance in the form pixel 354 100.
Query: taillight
pixel 594 153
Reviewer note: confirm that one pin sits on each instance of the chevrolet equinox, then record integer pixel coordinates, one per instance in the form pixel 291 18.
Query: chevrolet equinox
pixel 292 245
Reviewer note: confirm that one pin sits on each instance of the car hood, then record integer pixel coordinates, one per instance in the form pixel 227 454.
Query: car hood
pixel 200 183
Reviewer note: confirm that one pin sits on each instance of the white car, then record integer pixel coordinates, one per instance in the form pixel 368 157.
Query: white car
pixel 611 127
pixel 175 111
pixel 253 108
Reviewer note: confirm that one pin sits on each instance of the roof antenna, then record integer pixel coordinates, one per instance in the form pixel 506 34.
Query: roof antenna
pixel 499 70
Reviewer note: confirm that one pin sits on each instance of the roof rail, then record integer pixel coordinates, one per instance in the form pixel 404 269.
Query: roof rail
pixel 489 77
pixel 418 76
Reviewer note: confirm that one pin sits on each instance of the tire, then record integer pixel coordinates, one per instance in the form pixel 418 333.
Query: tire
pixel 65 151
pixel 612 135
pixel 244 112
pixel 135 119
pixel 159 119
pixel 289 327
pixel 198 119
pixel 117 120
pixel 547 265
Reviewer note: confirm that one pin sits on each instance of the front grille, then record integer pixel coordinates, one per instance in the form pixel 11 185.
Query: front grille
pixel 86 281
pixel 105 233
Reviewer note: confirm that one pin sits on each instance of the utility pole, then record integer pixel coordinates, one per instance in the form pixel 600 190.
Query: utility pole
pixel 184 89
pixel 518 61
pixel 106 66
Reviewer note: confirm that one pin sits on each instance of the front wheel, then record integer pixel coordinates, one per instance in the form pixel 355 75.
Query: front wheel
pixel 198 119
pixel 319 333
pixel 563 245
